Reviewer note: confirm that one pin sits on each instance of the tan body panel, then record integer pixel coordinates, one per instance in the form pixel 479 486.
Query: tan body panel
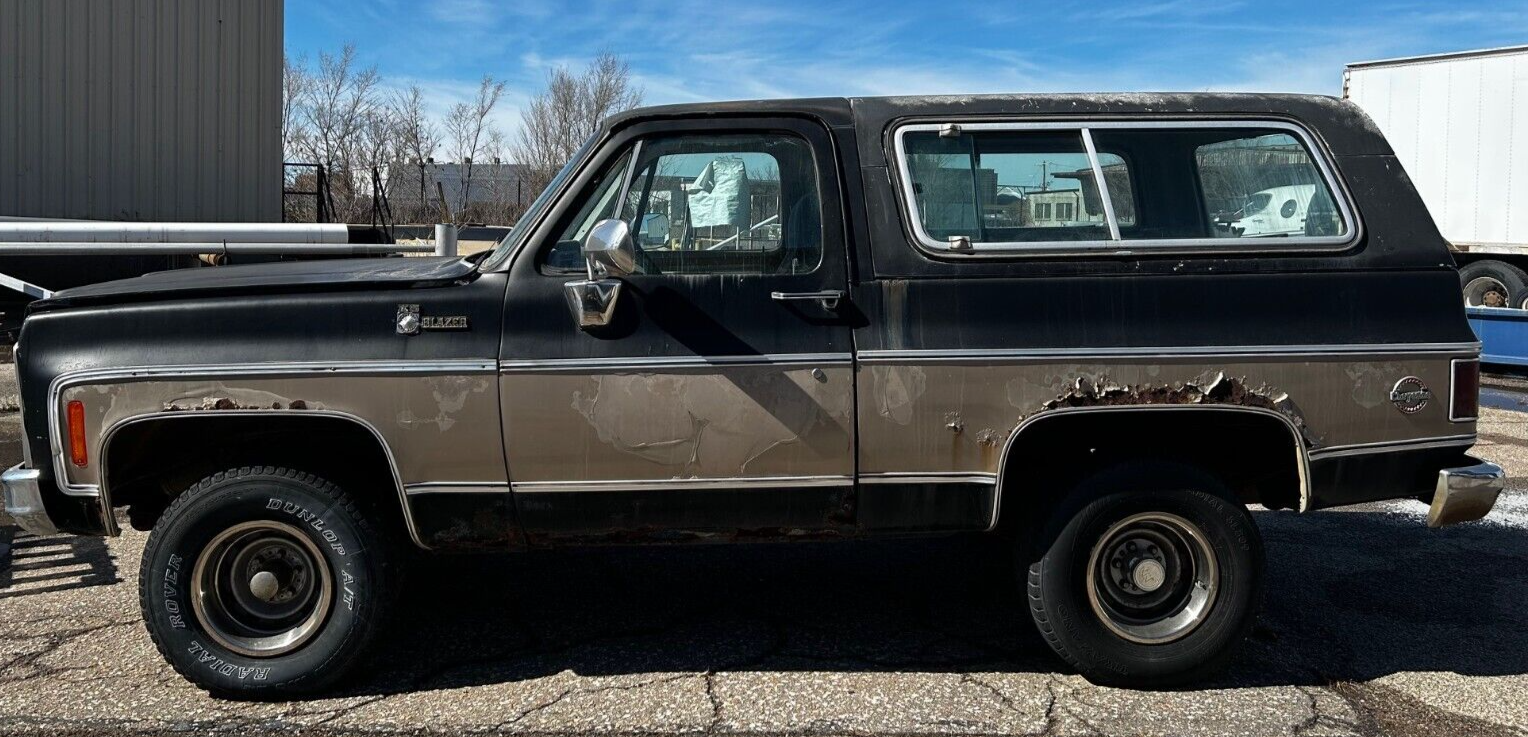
pixel 694 422
pixel 957 417
pixel 438 427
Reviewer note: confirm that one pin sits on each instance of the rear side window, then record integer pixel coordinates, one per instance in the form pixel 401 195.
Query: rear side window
pixel 1264 185
pixel 1035 188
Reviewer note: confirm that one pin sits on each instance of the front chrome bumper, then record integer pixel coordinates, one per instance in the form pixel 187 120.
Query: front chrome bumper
pixel 1466 493
pixel 23 500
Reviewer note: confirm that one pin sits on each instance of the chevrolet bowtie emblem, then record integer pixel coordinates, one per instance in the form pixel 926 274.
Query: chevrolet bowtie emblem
pixel 410 322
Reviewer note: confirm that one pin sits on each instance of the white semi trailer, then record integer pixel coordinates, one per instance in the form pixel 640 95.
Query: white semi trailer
pixel 1459 124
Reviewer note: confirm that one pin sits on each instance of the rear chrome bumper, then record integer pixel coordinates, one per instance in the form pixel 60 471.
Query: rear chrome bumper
pixel 1466 493
pixel 23 500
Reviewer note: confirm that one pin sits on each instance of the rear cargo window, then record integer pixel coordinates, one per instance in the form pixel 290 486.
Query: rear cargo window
pixel 1034 188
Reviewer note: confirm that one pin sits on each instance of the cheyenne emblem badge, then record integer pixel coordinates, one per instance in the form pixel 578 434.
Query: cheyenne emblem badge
pixel 1410 395
pixel 410 322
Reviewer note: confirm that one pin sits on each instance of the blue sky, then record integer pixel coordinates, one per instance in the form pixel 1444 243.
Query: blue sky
pixel 690 50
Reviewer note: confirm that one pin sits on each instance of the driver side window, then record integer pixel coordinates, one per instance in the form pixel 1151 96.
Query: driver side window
pixel 708 204
pixel 566 255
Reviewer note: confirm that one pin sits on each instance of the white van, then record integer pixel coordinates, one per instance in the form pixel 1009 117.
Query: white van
pixel 1275 211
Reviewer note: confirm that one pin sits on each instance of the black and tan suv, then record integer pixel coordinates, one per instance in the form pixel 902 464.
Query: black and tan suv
pixel 1099 326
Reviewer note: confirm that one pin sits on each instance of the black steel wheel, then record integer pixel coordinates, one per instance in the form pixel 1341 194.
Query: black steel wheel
pixel 264 581
pixel 1148 576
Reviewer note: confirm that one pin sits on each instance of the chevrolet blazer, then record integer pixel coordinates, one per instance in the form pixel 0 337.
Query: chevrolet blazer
pixel 1049 318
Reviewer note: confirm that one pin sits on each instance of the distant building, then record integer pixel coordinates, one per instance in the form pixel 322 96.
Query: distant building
pixel 141 109
pixel 411 188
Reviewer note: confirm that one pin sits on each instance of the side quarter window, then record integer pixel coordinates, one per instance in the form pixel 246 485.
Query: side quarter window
pixel 743 203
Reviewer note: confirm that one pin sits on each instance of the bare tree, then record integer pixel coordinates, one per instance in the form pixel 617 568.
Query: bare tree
pixel 559 119
pixel 418 138
pixel 468 130
pixel 417 141
pixel 294 90
pixel 295 84
pixel 341 104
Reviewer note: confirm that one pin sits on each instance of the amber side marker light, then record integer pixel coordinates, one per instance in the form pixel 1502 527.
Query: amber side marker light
pixel 77 433
pixel 1464 404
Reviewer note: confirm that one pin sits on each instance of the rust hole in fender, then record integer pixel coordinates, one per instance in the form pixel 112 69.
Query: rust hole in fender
pixel 1211 388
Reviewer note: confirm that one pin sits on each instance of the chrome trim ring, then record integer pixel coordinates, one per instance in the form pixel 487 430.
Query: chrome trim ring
pixel 1152 578
pixel 261 589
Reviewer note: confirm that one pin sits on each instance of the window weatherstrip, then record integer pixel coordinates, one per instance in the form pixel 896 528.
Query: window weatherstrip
pixel 1176 246
pixel 1103 187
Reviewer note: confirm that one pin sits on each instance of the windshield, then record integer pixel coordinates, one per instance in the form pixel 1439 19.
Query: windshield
pixel 520 230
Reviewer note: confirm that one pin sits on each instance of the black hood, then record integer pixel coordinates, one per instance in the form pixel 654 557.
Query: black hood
pixel 287 277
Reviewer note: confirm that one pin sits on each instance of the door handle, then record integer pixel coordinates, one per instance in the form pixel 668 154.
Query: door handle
pixel 828 297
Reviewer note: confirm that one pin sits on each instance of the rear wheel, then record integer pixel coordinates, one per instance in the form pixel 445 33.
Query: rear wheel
pixel 1150 576
pixel 263 581
pixel 1491 283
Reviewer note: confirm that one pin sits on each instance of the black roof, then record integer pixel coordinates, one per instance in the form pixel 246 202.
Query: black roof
pixel 1345 128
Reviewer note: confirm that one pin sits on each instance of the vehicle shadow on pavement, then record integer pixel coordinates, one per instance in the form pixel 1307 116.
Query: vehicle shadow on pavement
pixel 1351 596
pixel 31 565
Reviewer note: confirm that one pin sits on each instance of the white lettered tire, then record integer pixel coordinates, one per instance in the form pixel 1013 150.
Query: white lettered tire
pixel 264 581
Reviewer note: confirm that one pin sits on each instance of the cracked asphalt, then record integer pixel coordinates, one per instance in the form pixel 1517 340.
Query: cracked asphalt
pixel 1373 625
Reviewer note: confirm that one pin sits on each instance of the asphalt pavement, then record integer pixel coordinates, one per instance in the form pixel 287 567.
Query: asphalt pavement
pixel 1373 624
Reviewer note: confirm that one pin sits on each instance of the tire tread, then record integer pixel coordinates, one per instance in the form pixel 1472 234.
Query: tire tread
pixel 345 657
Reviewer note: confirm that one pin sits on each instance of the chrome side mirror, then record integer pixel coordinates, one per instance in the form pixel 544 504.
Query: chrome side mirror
pixel 609 249
pixel 609 252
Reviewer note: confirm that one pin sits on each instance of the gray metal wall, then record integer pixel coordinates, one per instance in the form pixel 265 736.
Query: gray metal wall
pixel 141 109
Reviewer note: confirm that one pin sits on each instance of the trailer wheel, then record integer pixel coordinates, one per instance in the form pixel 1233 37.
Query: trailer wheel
pixel 1492 283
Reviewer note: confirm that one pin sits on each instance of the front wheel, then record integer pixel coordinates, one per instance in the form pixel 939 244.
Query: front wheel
pixel 1151 577
pixel 263 581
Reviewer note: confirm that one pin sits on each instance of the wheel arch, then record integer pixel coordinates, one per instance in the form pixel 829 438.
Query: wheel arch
pixel 153 431
pixel 1068 424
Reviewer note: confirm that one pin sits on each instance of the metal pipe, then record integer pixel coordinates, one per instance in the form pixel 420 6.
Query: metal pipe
pixel 83 231
pixel 88 248
pixel 25 287
pixel 445 239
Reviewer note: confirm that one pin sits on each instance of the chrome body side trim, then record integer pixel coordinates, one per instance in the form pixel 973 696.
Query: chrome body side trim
pixel 1389 446
pixel 995 355
pixel 456 487
pixel 1028 249
pixel 953 477
pixel 23 500
pixel 674 362
pixel 1294 432
pixel 70 379
pixel 104 491
pixel 699 484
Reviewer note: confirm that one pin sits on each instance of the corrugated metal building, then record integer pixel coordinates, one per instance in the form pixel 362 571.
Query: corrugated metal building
pixel 141 109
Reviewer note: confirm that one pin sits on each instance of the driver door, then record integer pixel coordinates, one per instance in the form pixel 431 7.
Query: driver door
pixel 719 398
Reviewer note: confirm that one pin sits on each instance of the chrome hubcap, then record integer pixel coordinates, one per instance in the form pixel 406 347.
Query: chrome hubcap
pixel 1152 578
pixel 261 588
